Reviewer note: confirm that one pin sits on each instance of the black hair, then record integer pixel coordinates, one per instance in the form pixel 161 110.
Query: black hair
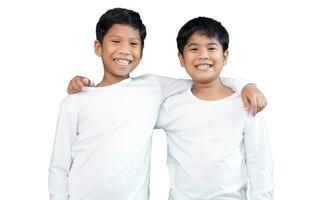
pixel 120 16
pixel 205 26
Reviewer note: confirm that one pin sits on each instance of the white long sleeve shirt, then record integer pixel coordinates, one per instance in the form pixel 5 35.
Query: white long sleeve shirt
pixel 103 139
pixel 215 148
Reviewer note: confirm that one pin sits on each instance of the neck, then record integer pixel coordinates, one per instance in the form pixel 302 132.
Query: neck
pixel 110 80
pixel 211 91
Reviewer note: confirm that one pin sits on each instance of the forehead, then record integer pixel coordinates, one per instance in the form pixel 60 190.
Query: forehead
pixel 201 39
pixel 121 30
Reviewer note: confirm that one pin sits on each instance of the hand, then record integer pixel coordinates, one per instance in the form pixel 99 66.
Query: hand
pixel 77 84
pixel 253 98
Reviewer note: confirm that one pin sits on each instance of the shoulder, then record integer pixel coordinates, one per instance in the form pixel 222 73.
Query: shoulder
pixel 235 100
pixel 145 77
pixel 177 99
pixel 148 79
pixel 71 102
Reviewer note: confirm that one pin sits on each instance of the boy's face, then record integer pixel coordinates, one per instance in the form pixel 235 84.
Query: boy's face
pixel 120 50
pixel 203 58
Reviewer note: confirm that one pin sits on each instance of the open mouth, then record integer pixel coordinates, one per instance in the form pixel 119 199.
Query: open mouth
pixel 203 67
pixel 124 62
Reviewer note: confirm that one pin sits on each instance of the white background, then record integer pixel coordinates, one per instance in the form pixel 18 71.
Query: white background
pixel 283 46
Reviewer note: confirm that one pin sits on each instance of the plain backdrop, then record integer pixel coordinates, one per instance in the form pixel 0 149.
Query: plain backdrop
pixel 283 46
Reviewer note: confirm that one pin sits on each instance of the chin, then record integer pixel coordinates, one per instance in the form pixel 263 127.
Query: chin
pixel 203 79
pixel 123 75
pixel 123 72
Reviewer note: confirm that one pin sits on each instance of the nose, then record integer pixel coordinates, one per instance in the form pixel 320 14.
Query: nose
pixel 203 54
pixel 124 49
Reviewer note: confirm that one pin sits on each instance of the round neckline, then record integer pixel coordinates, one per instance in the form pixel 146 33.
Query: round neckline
pixel 222 100
pixel 122 82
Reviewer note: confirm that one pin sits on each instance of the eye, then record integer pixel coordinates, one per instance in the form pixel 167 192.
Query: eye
pixel 134 43
pixel 212 48
pixel 115 41
pixel 193 49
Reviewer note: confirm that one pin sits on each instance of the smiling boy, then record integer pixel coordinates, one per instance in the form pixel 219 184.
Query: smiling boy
pixel 215 147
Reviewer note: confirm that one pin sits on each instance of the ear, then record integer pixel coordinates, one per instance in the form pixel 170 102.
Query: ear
pixel 225 57
pixel 181 59
pixel 97 48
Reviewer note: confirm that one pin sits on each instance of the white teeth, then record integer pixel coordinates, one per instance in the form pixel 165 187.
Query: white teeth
pixel 204 67
pixel 122 61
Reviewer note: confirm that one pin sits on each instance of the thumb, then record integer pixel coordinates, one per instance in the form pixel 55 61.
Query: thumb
pixel 86 82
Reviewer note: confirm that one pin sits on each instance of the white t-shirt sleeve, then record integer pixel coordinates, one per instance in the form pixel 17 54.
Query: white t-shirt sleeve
pixel 172 86
pixel 258 159
pixel 61 160
pixel 236 84
pixel 162 118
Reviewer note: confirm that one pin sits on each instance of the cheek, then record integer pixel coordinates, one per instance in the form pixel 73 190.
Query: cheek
pixel 218 58
pixel 137 53
pixel 108 49
pixel 188 59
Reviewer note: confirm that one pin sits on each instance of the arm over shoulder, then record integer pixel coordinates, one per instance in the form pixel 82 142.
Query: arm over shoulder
pixel 172 86
pixel 236 84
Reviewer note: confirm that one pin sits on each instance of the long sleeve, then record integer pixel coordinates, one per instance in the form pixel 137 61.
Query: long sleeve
pixel 258 159
pixel 172 86
pixel 61 157
pixel 236 84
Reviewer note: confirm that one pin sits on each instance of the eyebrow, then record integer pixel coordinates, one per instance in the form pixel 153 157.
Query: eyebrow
pixel 191 44
pixel 135 38
pixel 119 36
pixel 208 44
pixel 213 43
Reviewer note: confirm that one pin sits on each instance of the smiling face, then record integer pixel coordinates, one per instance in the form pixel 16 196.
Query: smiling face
pixel 120 51
pixel 203 58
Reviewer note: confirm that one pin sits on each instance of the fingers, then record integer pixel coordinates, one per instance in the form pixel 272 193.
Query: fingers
pixel 261 102
pixel 76 84
pixel 79 85
pixel 246 103
pixel 250 103
pixel 86 82
pixel 254 105
pixel 70 89
pixel 253 99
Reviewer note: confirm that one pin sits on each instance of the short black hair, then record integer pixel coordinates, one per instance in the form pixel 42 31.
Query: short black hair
pixel 120 16
pixel 205 26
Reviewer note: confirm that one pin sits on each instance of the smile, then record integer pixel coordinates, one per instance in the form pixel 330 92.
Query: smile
pixel 122 61
pixel 203 67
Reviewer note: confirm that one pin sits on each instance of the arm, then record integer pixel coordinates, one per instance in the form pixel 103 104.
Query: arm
pixel 61 157
pixel 252 97
pixel 171 86
pixel 258 159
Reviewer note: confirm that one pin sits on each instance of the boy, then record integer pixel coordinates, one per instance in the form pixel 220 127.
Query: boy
pixel 214 145
pixel 103 137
